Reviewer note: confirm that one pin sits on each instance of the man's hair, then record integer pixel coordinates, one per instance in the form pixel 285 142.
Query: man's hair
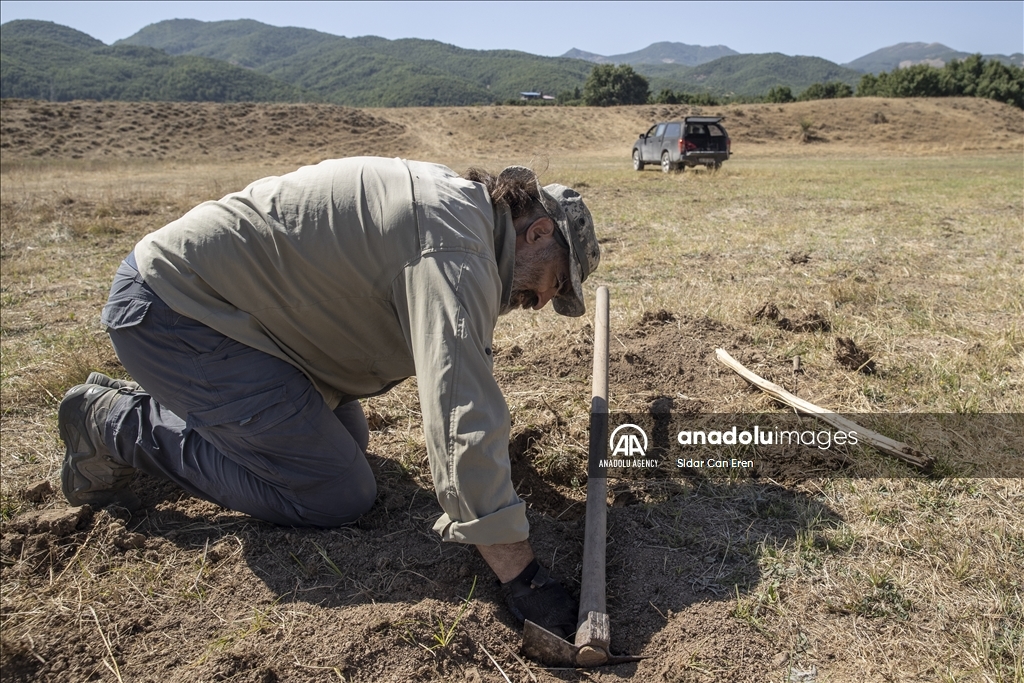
pixel 516 188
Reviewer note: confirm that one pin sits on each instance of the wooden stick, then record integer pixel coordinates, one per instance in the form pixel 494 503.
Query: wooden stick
pixel 883 443
pixel 592 584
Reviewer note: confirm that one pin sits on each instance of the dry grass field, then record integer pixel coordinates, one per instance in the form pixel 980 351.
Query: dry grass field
pixel 900 226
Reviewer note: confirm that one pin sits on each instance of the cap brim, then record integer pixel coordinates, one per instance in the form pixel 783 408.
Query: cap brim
pixel 571 305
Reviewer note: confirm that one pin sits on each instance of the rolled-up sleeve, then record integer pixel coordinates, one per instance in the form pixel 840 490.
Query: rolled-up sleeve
pixel 452 299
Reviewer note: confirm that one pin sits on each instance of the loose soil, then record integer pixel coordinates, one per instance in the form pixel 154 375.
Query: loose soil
pixel 229 598
pixel 244 600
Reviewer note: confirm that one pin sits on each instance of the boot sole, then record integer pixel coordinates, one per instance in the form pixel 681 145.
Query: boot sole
pixel 105 481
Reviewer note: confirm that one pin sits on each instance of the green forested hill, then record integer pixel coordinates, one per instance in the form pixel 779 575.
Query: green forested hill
pixel 372 71
pixel 245 60
pixel 367 71
pixel 43 60
pixel 671 53
pixel 243 42
pixel 890 58
pixel 48 32
pixel 747 75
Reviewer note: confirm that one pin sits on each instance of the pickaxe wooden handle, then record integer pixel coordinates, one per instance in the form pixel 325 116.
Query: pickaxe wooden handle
pixel 593 633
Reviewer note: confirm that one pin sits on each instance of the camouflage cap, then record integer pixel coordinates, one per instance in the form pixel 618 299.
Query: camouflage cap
pixel 566 208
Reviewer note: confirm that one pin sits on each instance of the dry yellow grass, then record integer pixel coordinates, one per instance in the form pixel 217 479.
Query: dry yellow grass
pixel 296 134
pixel 907 236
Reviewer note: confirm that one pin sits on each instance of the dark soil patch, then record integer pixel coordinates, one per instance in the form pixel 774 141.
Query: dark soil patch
pixel 807 322
pixel 852 357
pixel 799 258
pixel 182 589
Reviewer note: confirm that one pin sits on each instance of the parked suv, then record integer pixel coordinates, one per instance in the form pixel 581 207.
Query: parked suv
pixel 694 141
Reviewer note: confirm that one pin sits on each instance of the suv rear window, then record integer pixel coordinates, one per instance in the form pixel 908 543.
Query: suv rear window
pixel 672 131
pixel 715 131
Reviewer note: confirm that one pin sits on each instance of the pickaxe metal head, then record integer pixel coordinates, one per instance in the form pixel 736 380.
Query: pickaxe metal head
pixel 545 647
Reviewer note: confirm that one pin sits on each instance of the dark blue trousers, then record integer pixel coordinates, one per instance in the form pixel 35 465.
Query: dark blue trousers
pixel 229 423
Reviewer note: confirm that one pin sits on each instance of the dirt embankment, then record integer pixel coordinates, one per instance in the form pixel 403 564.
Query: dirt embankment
pixel 310 132
pixel 190 131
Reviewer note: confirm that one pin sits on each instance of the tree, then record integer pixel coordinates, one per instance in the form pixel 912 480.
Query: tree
pixel 572 98
pixel 667 96
pixel 609 85
pixel 780 94
pixel 826 91
pixel 972 77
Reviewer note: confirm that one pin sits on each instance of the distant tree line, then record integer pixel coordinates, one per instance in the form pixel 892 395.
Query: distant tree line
pixel 972 77
pixel 610 85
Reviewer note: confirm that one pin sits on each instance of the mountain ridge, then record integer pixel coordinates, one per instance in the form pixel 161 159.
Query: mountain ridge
pixel 907 54
pixel 369 70
pixel 311 60
pixel 44 60
pixel 663 52
pixel 246 60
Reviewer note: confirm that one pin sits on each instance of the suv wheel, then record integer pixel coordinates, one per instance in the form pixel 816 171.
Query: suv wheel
pixel 666 163
pixel 638 162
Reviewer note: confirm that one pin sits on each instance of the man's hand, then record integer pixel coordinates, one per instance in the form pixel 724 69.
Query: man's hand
pixel 541 598
pixel 532 593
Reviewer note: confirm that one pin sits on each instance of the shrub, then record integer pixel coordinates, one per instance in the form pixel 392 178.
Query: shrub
pixel 780 94
pixel 702 99
pixel 826 91
pixel 609 85
pixel 972 77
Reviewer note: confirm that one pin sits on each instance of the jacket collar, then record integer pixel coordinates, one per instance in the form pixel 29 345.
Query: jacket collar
pixel 504 251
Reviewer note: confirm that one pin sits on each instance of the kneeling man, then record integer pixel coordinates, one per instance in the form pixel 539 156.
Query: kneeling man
pixel 253 324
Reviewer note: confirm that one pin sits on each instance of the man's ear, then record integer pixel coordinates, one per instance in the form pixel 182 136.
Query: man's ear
pixel 541 227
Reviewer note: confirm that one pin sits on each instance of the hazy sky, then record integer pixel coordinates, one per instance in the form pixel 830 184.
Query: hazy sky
pixel 838 31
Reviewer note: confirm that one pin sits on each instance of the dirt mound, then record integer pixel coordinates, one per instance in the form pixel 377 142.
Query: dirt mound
pixel 872 126
pixel 807 322
pixel 659 363
pixel 852 357
pixel 310 132
pixel 191 130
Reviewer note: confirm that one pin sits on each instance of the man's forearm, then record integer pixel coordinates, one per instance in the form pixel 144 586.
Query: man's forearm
pixel 507 560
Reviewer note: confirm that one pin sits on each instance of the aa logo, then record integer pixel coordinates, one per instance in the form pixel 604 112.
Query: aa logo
pixel 628 441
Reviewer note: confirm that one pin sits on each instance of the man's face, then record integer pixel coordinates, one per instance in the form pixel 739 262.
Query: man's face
pixel 541 273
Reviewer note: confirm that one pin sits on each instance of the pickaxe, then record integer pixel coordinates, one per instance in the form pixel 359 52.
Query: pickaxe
pixel 593 632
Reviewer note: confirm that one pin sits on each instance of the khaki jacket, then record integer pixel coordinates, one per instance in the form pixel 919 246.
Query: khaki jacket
pixel 363 272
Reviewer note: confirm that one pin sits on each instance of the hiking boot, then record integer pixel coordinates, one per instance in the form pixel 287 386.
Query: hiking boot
pixel 102 380
pixel 90 474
